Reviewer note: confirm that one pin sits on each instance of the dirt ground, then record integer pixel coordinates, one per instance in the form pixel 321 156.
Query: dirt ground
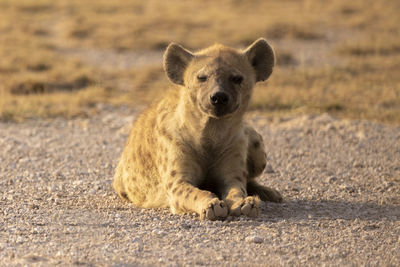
pixel 340 180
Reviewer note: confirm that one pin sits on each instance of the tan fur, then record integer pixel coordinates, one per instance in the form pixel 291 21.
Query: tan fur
pixel 191 154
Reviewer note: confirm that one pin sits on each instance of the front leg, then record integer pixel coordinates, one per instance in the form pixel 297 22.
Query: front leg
pixel 184 196
pixel 238 201
pixel 233 172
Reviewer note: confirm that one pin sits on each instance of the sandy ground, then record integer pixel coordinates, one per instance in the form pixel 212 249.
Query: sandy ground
pixel 340 180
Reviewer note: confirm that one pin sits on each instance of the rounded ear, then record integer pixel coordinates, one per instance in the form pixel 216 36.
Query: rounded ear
pixel 176 60
pixel 262 57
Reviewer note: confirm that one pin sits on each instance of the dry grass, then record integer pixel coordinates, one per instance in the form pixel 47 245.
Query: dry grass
pixel 339 56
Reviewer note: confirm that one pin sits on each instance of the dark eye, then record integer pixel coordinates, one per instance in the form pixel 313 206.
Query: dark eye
pixel 236 79
pixel 202 78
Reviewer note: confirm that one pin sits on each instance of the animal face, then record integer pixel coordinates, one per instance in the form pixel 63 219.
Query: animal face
pixel 219 80
pixel 216 85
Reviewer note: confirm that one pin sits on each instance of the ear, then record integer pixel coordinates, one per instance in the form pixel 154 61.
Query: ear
pixel 262 57
pixel 176 60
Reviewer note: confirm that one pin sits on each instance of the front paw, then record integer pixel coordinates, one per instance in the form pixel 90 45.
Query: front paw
pixel 249 206
pixel 215 209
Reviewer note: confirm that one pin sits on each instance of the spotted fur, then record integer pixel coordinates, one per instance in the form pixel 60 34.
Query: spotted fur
pixel 193 153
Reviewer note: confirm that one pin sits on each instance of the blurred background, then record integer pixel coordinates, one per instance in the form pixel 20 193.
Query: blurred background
pixel 70 57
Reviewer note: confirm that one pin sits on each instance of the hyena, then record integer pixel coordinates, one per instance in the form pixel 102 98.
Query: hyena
pixel 193 150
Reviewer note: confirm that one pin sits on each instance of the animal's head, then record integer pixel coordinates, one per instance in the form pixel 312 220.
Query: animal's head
pixel 219 79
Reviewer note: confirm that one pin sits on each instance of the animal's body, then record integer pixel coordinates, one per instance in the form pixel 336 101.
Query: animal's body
pixel 193 151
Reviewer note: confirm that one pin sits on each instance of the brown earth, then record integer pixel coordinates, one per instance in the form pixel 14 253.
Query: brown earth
pixel 340 180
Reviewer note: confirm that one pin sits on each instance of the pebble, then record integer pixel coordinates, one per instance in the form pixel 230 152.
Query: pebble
pixel 358 165
pixel 92 191
pixel 52 188
pixel 220 258
pixel 254 239
pixel 331 179
pixel 158 232
pixel 348 188
pixel 33 206
pixel 20 240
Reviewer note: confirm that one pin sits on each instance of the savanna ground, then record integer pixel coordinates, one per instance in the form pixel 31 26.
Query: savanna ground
pixel 75 74
pixel 64 57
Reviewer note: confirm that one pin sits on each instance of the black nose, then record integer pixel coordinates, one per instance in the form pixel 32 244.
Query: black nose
pixel 219 98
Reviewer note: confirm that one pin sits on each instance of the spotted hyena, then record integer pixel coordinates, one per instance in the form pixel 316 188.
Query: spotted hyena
pixel 193 151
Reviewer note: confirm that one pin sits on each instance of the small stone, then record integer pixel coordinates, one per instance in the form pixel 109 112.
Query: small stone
pixel 77 182
pixel 20 240
pixel 307 131
pixel 331 179
pixel 33 206
pixel 114 235
pixel 358 165
pixel 254 239
pixel 360 135
pixel 347 188
pixel 329 127
pixel 220 258
pixel 23 160
pixel 52 188
pixel 186 226
pixel 158 232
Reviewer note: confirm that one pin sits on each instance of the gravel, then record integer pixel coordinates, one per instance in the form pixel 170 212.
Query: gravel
pixel 340 180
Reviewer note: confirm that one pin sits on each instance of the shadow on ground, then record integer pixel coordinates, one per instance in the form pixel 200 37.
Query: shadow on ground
pixel 330 209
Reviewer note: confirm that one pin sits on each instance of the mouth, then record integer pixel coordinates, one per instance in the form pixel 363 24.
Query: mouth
pixel 219 112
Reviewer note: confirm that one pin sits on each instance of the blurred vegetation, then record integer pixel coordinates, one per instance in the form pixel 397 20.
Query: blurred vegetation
pixel 64 57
